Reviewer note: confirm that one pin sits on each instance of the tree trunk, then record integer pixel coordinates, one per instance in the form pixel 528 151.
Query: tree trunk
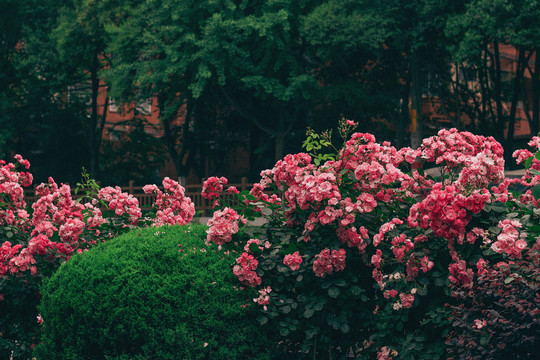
pixel 513 107
pixel 482 114
pixel 279 152
pixel 93 141
pixel 535 78
pixel 187 148
pixel 416 103
pixel 501 119
pixel 168 138
pixel 404 115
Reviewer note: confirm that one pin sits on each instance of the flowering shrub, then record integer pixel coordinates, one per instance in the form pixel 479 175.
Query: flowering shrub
pixel 363 252
pixel 212 189
pixel 172 206
pixel 36 239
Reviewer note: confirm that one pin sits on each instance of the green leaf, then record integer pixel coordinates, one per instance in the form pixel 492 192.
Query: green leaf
pixel 495 229
pixel 262 319
pixel 499 207
pixel 318 306
pixel 356 290
pixel 286 309
pixel 536 191
pixel 484 340
pixel 440 282
pixel 309 313
pixel 326 284
pixel 284 331
pixel 311 333
pixel 345 328
pixel 334 292
pixel 9 234
pixel 528 162
pixel 340 282
pixel 422 291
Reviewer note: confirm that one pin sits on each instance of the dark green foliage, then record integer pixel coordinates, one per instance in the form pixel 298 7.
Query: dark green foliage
pixel 18 323
pixel 155 293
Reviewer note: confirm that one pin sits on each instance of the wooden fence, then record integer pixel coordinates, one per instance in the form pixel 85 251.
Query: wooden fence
pixel 146 200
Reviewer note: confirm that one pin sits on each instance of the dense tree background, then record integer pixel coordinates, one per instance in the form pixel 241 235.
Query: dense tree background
pixel 269 69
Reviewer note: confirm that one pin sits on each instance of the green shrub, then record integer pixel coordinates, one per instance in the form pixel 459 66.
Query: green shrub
pixel 155 293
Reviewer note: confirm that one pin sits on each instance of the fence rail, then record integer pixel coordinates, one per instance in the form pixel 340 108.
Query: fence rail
pixel 146 200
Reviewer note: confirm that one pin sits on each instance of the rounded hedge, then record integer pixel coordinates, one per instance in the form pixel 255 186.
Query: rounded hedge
pixel 155 293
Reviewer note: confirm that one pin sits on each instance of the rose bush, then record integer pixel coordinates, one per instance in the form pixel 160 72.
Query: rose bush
pixel 360 253
pixel 36 239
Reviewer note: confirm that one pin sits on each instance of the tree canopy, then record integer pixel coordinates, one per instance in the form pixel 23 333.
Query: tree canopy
pixel 263 71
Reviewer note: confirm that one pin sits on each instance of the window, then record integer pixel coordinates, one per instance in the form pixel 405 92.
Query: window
pixel 112 106
pixel 145 107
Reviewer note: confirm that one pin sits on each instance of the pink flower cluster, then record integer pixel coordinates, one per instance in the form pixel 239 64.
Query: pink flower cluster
pixel 212 189
pixel 8 252
pixel 327 262
pixel 406 300
pixel 264 298
pixel 453 148
pixel 173 206
pixel 59 225
pixel 478 324
pixel 460 274
pixel 408 214
pixel 245 270
pixel 258 191
pixel 445 210
pixel 523 154
pixel 353 237
pixel 386 353
pixel 510 241
pixel 531 177
pixel 222 226
pixel 480 170
pixel 374 166
pixel 121 202
pixel 55 212
pixel 414 265
pixel 12 193
pixel 293 260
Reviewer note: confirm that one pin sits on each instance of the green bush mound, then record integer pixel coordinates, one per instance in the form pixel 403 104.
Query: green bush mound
pixel 155 293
